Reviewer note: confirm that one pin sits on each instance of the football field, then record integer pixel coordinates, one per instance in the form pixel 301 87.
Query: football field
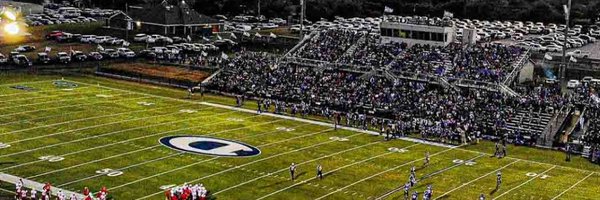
pixel 76 133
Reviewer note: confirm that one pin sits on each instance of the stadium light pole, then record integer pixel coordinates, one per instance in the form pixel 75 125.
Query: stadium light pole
pixel 302 10
pixel 563 67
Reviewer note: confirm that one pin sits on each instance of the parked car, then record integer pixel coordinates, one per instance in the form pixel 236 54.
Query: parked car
pixel 87 38
pixel 79 56
pixel 101 39
pixel 554 48
pixel 110 53
pixel 573 84
pixel 140 37
pixel 128 54
pixel 63 57
pixel 43 58
pixel 22 61
pixel 95 56
pixel 578 54
pixel 3 59
pixel 122 51
pixel 587 79
pixel 24 48
pixel 52 35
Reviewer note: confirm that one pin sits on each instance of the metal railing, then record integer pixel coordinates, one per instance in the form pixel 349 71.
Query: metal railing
pixel 517 68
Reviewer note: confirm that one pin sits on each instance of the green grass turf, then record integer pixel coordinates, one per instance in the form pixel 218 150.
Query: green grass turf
pixel 114 131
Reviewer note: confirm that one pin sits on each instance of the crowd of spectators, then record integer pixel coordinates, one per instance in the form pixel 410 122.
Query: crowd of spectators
pixel 328 45
pixel 486 62
pixel 399 106
pixel 482 62
pixel 436 113
pixel 372 53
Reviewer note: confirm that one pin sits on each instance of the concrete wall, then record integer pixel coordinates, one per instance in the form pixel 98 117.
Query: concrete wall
pixel 526 74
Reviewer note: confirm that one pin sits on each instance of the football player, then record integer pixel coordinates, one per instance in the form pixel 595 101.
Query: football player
pixel 320 171
pixel 406 189
pixel 33 194
pixel 19 184
pixel 60 195
pixel 498 180
pixel 428 193
pixel 292 170
pixel 415 196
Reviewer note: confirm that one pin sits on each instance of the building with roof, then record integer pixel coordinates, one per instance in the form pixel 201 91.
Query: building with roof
pixel 418 30
pixel 165 19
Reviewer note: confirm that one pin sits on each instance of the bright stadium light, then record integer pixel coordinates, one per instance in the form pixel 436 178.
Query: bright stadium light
pixel 12 28
pixel 10 15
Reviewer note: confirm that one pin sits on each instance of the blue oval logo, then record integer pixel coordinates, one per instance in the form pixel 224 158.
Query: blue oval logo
pixel 209 146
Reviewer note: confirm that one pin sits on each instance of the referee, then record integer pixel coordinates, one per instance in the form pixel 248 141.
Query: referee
pixel 292 171
pixel 320 171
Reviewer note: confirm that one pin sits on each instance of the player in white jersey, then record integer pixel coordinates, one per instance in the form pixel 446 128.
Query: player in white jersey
pixel 73 197
pixel 202 191
pixel 19 184
pixel 195 192
pixel 33 194
pixel 61 195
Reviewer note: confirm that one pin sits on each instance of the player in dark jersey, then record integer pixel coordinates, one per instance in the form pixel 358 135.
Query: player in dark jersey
pixel 415 196
pixel 406 189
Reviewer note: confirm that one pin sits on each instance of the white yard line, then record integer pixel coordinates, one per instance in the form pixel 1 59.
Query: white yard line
pixel 573 186
pixel 387 194
pixel 39 91
pixel 518 186
pixel 186 166
pixel 8 191
pixel 93 161
pixel 69 106
pixel 271 115
pixel 89 127
pixel 112 144
pixel 451 167
pixel 53 101
pixel 122 169
pixel 53 116
pixel 35 185
pixel 382 172
pixel 478 178
pixel 180 153
pixel 256 161
pixel 42 97
pixel 535 162
pixel 23 83
pixel 323 124
pixel 299 164
pixel 110 133
pixel 40 118
pixel 334 170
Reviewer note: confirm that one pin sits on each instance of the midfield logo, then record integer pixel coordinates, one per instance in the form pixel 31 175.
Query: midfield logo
pixel 209 146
